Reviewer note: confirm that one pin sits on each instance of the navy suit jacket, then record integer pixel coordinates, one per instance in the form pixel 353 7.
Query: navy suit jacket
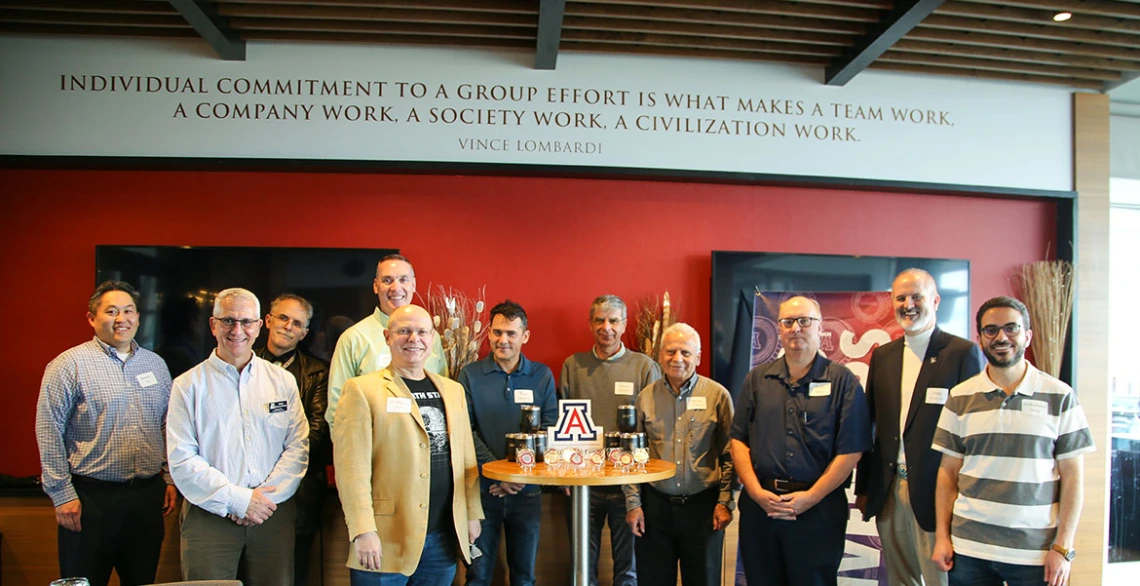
pixel 949 360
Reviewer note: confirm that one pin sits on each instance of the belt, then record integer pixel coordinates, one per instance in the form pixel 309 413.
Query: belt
pixel 682 500
pixel 784 486
pixel 900 469
pixel 132 483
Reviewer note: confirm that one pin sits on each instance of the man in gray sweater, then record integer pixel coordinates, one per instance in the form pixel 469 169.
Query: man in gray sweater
pixel 608 375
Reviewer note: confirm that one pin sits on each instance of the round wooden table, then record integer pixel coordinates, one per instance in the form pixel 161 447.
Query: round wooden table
pixel 579 480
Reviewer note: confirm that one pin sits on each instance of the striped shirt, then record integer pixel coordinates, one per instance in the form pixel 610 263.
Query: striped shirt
pixel 1009 488
pixel 101 416
pixel 229 432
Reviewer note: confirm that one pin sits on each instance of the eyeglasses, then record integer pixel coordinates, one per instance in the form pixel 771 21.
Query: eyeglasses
pixel 296 323
pixel 229 322
pixel 805 322
pixel 1010 330
pixel 407 332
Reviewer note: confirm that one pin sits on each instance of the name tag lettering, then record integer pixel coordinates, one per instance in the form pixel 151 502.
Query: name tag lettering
pixel 698 403
pixel 819 389
pixel 399 405
pixel 524 396
pixel 147 379
pixel 937 396
pixel 623 388
pixel 278 406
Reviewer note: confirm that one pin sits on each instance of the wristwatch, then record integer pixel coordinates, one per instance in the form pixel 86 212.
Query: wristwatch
pixel 1068 554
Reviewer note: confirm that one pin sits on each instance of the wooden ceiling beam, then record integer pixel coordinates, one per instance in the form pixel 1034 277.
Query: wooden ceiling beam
pixel 691 52
pixel 320 12
pixel 717 18
pixel 209 25
pixel 86 6
pixel 661 40
pixel 96 31
pixel 1027 43
pixel 772 7
pixel 893 26
pixel 1095 7
pixel 1038 16
pixel 1007 54
pixel 983 74
pixel 550 16
pixel 385 38
pixel 690 29
pixel 1031 30
pixel 504 6
pixel 101 19
pixel 243 25
pixel 994 65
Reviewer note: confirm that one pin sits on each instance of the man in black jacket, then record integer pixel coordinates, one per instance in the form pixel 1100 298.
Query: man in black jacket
pixel 908 383
pixel 287 324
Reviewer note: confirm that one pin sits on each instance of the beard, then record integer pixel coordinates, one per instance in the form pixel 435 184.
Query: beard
pixel 1004 363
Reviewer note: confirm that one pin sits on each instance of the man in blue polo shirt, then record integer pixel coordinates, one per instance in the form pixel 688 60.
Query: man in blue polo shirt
pixel 801 425
pixel 497 386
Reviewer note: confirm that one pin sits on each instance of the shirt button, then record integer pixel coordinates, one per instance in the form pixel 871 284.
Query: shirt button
pixel 791 410
pixel 791 455
pixel 790 432
pixel 423 505
pixel 423 445
pixel 423 474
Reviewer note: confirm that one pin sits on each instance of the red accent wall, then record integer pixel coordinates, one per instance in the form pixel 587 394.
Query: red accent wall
pixel 551 244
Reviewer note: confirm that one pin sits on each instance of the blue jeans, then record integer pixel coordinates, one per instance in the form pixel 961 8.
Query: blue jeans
pixel 437 566
pixel 969 571
pixel 518 515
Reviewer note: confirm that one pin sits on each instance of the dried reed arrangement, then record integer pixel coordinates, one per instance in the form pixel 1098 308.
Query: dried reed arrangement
pixel 654 314
pixel 1047 290
pixel 461 323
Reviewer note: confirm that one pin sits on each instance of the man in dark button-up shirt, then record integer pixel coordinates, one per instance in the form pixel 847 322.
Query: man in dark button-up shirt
pixel 497 386
pixel 287 323
pixel 686 418
pixel 800 428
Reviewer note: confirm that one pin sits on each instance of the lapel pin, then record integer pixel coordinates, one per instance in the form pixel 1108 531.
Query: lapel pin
pixel 933 359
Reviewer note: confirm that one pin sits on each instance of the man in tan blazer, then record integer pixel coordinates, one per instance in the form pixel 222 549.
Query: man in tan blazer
pixel 405 465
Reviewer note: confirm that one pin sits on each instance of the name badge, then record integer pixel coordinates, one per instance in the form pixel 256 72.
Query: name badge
pixel 623 388
pixel 819 389
pixel 278 406
pixel 524 396
pixel 147 379
pixel 399 405
pixel 937 396
pixel 1034 407
pixel 698 403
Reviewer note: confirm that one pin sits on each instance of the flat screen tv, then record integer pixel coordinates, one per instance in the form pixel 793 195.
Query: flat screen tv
pixel 738 276
pixel 178 285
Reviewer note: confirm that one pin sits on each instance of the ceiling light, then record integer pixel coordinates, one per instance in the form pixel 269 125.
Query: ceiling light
pixel 1062 16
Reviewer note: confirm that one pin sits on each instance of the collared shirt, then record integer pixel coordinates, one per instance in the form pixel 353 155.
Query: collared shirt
pixel 361 349
pixel 229 432
pixel 101 416
pixel 690 428
pixel 794 429
pixel 1009 487
pixel 494 398
pixel 914 353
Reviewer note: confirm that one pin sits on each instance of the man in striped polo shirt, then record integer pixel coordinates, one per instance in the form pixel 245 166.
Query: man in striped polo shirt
pixel 1009 488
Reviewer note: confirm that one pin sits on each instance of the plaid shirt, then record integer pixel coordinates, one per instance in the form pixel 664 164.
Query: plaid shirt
pixel 102 417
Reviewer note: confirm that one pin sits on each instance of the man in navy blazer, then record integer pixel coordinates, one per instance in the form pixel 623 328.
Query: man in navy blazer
pixel 908 383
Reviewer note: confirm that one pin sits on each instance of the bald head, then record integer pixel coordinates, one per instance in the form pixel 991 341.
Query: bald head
pixel 797 338
pixel 410 337
pixel 915 299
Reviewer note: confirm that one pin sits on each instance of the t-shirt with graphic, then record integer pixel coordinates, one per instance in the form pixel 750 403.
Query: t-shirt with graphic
pixel 435 419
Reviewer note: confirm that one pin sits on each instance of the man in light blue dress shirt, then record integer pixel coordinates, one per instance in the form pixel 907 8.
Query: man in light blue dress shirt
pixel 238 445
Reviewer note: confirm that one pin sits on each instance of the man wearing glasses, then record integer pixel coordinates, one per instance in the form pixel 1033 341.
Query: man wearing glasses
pixel 287 324
pixel 1010 484
pixel 406 468
pixel 907 385
pixel 800 427
pixel 238 446
pixel 608 375
pixel 361 349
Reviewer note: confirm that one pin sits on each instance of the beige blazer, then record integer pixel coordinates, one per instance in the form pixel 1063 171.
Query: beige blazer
pixel 383 465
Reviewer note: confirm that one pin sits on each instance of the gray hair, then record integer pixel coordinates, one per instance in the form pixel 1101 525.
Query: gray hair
pixel 304 303
pixel 239 293
pixel 607 303
pixel 685 330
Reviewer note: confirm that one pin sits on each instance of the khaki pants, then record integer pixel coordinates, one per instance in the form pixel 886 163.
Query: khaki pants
pixel 906 546
pixel 215 548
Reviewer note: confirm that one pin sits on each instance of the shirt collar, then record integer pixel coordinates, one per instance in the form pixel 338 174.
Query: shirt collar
pixel 817 372
pixel 619 354
pixel 110 350
pixel 269 356
pixel 381 317
pixel 1027 386
pixel 685 388
pixel 224 366
pixel 491 366
pixel 920 340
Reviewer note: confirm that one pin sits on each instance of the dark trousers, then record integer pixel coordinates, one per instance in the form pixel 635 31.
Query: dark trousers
pixel 608 503
pixel 302 551
pixel 215 548
pixel 121 528
pixel 679 533
pixel 804 552
pixel 970 571
pixel 518 516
